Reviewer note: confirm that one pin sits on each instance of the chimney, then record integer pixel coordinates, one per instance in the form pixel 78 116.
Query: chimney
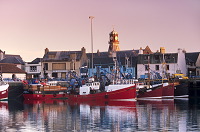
pixel 98 53
pixel 46 50
pixel 83 50
pixel 162 50
pixel 2 55
pixel 140 50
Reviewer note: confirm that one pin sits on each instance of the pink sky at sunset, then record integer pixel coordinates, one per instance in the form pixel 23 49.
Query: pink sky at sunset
pixel 27 27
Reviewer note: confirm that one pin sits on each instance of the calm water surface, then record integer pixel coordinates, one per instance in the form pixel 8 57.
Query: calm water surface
pixel 54 116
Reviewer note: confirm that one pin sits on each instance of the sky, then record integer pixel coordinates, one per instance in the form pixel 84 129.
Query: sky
pixel 27 27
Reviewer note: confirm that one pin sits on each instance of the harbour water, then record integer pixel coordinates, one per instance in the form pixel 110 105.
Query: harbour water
pixel 61 115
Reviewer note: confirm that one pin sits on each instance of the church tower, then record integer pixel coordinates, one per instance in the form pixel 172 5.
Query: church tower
pixel 113 42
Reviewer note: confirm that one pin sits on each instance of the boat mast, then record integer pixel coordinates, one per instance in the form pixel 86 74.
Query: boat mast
pixel 115 61
pixel 148 81
pixel 163 67
pixel 1 74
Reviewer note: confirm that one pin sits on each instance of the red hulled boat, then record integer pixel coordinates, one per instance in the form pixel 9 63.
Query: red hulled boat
pixel 89 91
pixel 3 90
pixel 162 90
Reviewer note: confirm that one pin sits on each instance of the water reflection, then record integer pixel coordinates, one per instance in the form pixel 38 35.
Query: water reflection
pixel 61 115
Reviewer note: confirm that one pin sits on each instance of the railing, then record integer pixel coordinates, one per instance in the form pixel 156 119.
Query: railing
pixel 38 87
pixel 124 81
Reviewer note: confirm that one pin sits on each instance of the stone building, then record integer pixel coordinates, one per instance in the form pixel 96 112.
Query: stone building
pixel 57 64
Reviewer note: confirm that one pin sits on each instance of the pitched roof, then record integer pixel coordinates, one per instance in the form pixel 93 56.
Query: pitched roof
pixel 35 61
pixel 10 68
pixel 127 53
pixel 123 53
pixel 147 50
pixel 192 57
pixel 9 55
pixel 103 59
pixel 62 55
pixel 13 60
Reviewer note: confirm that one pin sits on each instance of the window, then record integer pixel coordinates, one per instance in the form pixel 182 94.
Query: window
pixel 45 66
pixel 146 67
pixel 146 57
pixel 59 66
pixel 55 75
pixel 167 67
pixel 63 75
pixel 156 57
pixel 157 67
pixel 33 68
pixel 51 56
pixel 72 65
pixel 167 57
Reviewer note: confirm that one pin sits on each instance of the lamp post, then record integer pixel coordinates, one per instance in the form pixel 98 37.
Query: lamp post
pixel 190 74
pixel 174 65
pixel 91 18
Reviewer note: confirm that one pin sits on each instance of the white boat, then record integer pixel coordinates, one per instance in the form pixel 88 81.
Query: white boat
pixel 3 90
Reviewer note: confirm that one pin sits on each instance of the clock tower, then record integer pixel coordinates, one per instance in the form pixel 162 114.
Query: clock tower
pixel 113 42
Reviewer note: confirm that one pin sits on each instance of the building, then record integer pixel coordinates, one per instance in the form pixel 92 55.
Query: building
pixel 34 68
pixel 57 64
pixel 11 71
pixel 12 66
pixel 160 64
pixel 12 59
pixel 193 63
pixel 114 58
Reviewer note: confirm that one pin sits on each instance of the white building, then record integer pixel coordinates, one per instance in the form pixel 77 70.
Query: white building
pixel 161 64
pixel 33 68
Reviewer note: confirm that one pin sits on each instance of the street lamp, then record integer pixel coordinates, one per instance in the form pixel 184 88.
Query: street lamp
pixel 174 65
pixel 91 18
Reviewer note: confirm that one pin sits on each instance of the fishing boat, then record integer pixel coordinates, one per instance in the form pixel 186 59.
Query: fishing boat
pixel 91 90
pixel 117 90
pixel 155 91
pixel 42 91
pixel 156 86
pixel 3 90
pixel 103 88
pixel 181 88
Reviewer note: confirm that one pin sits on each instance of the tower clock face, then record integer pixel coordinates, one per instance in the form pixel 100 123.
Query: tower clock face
pixel 116 38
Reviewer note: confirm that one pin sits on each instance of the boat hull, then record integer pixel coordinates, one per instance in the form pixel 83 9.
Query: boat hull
pixel 4 92
pixel 168 91
pixel 122 94
pixel 157 93
pixel 181 89
pixel 38 95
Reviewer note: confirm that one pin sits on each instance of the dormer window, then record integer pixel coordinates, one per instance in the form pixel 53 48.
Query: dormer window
pixel 145 57
pixel 156 57
pixel 51 56
pixel 167 57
